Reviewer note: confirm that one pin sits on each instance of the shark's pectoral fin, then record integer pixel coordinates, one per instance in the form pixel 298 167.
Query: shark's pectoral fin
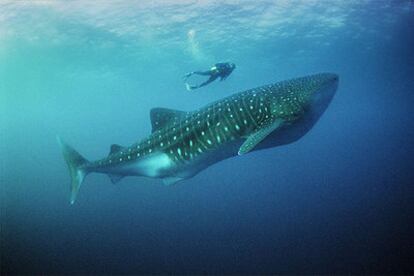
pixel 170 180
pixel 115 178
pixel 259 135
pixel 160 117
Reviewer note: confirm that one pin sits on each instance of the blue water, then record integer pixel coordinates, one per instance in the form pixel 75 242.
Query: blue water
pixel 340 200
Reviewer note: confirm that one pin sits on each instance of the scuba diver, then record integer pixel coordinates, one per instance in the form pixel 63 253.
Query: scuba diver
pixel 222 70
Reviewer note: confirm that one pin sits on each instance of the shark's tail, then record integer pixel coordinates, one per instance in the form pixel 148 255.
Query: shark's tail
pixel 78 168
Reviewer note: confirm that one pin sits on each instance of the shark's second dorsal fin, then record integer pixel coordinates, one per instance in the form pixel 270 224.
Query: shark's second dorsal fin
pixel 160 117
pixel 115 178
pixel 259 135
pixel 170 180
pixel 115 148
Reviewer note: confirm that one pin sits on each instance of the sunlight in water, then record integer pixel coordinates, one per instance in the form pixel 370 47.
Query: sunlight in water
pixel 193 45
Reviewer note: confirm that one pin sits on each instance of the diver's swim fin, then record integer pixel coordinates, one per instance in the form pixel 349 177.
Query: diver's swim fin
pixel 188 87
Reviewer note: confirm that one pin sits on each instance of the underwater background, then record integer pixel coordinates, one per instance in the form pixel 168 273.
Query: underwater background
pixel 339 200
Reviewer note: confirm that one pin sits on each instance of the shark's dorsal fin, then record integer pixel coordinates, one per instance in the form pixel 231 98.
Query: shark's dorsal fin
pixel 160 117
pixel 115 148
pixel 259 135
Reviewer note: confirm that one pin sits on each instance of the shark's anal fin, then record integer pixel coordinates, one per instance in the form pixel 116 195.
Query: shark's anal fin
pixel 161 117
pixel 170 180
pixel 259 135
pixel 115 178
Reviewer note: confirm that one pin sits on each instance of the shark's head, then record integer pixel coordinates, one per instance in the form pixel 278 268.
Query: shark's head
pixel 307 95
pixel 301 102
pixel 320 90
pixel 325 88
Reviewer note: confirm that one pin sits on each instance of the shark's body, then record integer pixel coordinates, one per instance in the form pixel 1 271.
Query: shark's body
pixel 183 143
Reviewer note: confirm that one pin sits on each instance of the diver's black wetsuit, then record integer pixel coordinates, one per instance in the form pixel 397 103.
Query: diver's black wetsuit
pixel 222 70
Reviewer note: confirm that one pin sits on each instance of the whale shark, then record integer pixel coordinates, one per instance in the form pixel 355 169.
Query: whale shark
pixel 183 143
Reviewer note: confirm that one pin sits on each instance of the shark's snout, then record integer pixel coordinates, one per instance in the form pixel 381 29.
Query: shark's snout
pixel 334 78
pixel 328 78
pixel 333 83
pixel 326 89
pixel 327 84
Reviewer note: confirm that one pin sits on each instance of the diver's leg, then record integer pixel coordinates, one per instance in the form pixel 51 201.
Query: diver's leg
pixel 201 73
pixel 211 79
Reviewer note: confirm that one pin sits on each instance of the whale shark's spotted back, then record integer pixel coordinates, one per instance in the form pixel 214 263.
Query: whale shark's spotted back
pixel 186 135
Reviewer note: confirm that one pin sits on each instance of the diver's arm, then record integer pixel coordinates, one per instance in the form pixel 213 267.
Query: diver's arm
pixel 202 73
pixel 225 75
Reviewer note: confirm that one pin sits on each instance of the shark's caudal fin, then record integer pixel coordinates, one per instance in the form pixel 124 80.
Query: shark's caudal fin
pixel 77 165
